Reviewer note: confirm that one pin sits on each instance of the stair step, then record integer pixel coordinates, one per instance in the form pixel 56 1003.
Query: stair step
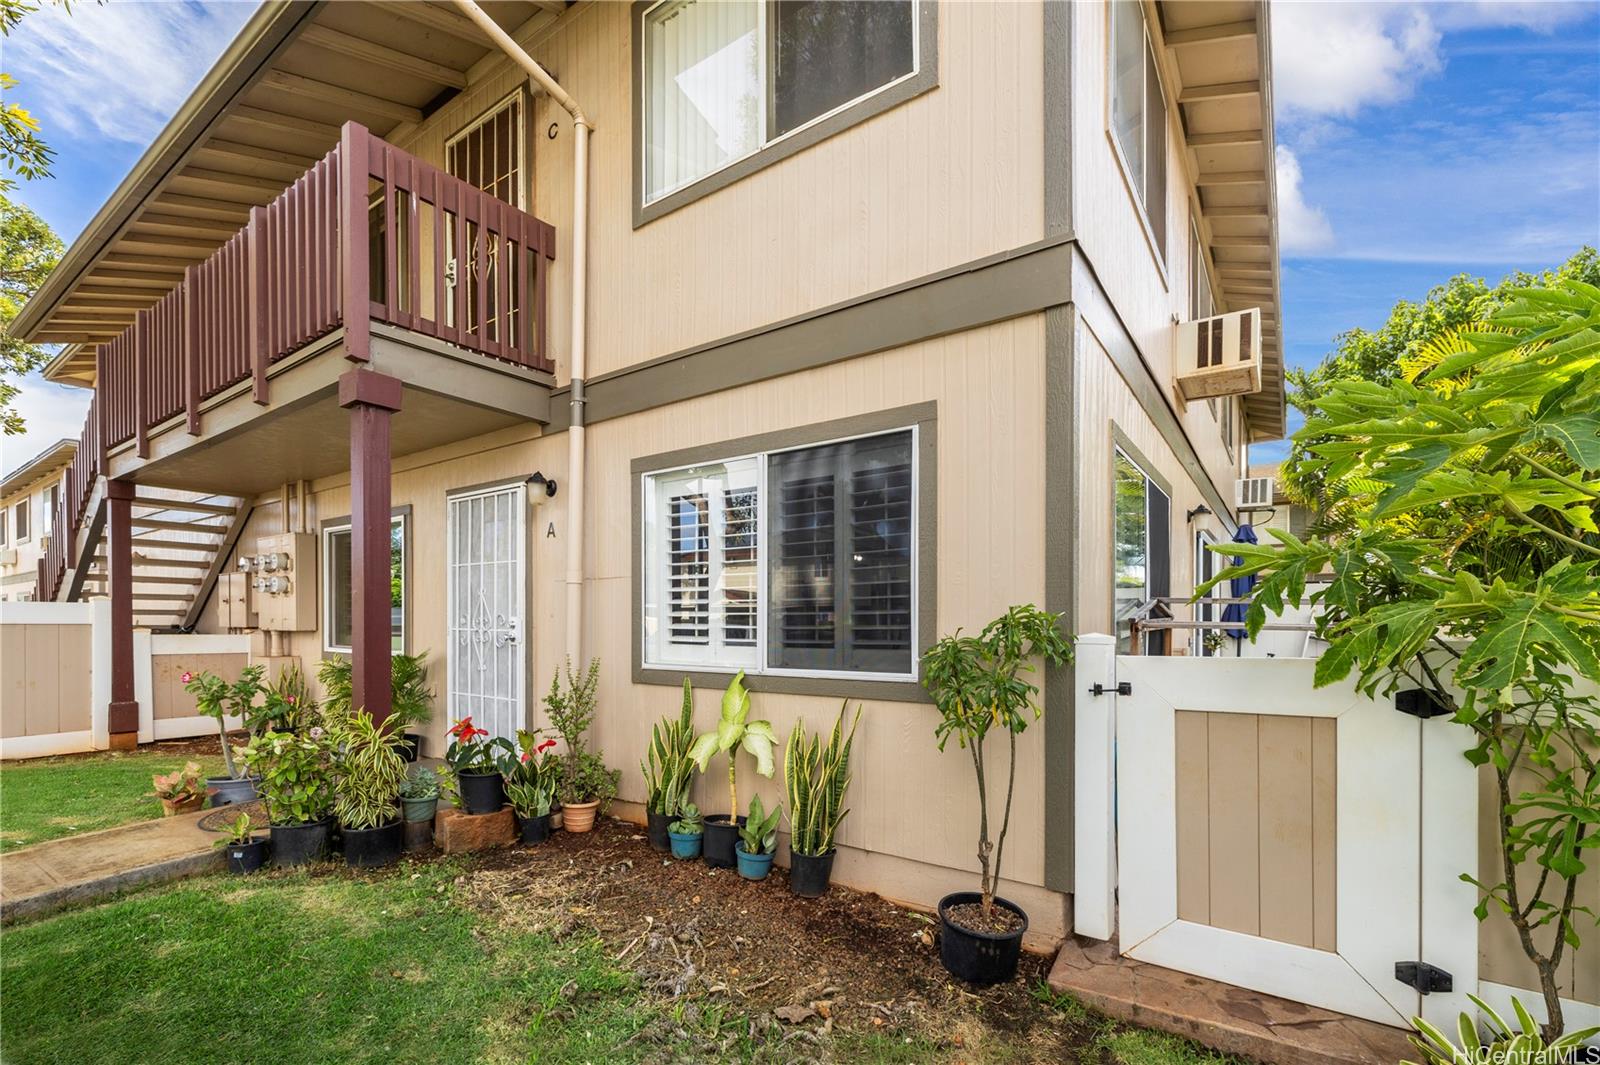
pixel 165 598
pixel 143 578
pixel 180 526
pixel 165 563
pixel 192 508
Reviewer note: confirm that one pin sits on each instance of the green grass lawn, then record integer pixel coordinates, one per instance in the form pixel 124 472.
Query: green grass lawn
pixel 390 967
pixel 46 798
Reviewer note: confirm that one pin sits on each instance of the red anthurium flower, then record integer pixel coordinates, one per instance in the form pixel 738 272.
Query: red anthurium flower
pixel 546 745
pixel 525 756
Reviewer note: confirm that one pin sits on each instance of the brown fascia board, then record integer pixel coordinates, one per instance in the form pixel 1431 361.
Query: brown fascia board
pixel 270 29
pixel 57 456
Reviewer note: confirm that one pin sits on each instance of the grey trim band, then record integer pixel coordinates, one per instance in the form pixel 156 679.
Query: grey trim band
pixel 1060 589
pixel 922 415
pixel 992 289
pixel 886 99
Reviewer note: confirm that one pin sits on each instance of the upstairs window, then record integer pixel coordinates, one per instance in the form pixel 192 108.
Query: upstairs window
pixel 21 518
pixel 798 561
pixel 1139 114
pixel 489 153
pixel 5 526
pixel 52 501
pixel 722 79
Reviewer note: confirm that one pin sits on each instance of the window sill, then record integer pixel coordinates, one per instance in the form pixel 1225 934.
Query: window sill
pixel 832 685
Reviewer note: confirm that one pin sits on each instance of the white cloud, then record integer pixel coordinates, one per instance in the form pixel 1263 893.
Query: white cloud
pixel 117 70
pixel 1539 16
pixel 50 412
pixel 1301 227
pixel 1335 58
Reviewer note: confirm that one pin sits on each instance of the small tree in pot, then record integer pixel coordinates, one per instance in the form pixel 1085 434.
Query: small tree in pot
pixel 668 770
pixel 816 777
pixel 587 786
pixel 733 731
pixel 978 683
pixel 215 697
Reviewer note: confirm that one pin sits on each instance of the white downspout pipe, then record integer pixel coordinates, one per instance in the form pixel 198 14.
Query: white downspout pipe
pixel 581 129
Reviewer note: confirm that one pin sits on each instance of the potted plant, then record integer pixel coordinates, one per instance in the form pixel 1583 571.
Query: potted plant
pixel 410 698
pixel 180 791
pixel 296 782
pixel 287 705
pixel 685 832
pixel 215 697
pixel 816 777
pixel 247 852
pixel 369 772
pixel 758 841
pixel 586 784
pixel 733 731
pixel 978 683
pixel 476 761
pixel 419 795
pixel 531 783
pixel 668 770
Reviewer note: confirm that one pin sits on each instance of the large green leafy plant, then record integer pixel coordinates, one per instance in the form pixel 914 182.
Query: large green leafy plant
pixel 296 771
pixel 410 698
pixel 369 772
pixel 1466 563
pixel 734 730
pixel 215 697
pixel 667 767
pixel 980 683
pixel 816 776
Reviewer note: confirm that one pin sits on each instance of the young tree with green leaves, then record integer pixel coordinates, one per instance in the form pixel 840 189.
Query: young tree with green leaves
pixel 29 250
pixel 1467 564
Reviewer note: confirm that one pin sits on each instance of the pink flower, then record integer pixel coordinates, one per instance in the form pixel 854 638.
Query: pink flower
pixel 289 700
pixel 316 732
pixel 525 756
pixel 187 677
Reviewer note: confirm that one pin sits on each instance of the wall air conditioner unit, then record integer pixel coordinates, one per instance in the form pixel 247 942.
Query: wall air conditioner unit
pixel 1254 493
pixel 1219 356
pixel 8 556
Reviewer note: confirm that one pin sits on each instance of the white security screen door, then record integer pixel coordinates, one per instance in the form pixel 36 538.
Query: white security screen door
pixel 487 607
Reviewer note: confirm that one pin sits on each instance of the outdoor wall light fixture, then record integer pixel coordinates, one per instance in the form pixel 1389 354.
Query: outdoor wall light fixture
pixel 539 479
pixel 1200 511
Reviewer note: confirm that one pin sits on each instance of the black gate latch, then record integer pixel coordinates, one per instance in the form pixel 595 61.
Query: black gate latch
pixel 1420 703
pixel 1123 688
pixel 1422 976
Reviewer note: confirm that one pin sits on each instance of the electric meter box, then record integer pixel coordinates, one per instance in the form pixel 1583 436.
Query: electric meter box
pixel 236 601
pixel 284 582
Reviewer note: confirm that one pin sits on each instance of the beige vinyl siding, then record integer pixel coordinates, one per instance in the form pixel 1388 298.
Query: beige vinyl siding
pixel 948 177
pixel 46 686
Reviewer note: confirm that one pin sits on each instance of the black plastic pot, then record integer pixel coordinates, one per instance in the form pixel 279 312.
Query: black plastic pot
pixel 721 834
pixel 300 844
pixel 410 745
pixel 230 790
pixel 368 848
pixel 482 793
pixel 247 857
pixel 655 827
pixel 534 829
pixel 809 874
pixel 979 957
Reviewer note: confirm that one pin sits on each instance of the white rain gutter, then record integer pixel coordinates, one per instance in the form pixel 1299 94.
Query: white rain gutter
pixel 581 129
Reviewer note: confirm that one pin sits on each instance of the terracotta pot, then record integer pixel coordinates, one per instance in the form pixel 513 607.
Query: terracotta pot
pixel 579 816
pixel 173 807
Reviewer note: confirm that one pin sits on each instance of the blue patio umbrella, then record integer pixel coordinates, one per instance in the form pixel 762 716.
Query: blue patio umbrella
pixel 1239 587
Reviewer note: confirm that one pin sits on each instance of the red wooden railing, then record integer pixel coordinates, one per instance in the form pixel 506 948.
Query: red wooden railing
pixel 72 505
pixel 389 239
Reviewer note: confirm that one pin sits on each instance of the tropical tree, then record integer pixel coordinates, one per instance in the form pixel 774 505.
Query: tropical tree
pixel 1467 565
pixel 29 250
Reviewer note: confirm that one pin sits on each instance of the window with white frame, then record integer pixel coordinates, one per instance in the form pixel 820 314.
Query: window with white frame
pixel 5 526
pixel 338 601
pixel 1139 113
pixel 799 561
pixel 722 79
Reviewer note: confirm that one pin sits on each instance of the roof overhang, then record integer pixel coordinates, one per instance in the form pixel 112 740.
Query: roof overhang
pixel 1218 59
pixel 55 457
pixel 270 107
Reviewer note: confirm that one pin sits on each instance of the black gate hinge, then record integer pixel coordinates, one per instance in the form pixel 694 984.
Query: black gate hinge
pixel 1422 976
pixel 1123 688
pixel 1420 703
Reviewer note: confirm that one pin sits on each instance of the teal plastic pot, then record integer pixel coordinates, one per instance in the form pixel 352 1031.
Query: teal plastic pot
pixel 420 809
pixel 685 844
pixel 752 866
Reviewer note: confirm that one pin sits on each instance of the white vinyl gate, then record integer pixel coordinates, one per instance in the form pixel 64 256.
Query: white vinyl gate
pixel 487 603
pixel 1237 823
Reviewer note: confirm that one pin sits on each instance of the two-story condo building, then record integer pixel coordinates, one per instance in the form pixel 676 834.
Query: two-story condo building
pixel 699 337
pixel 29 500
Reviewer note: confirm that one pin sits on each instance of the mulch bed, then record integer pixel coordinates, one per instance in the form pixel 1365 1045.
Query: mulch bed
pixel 848 960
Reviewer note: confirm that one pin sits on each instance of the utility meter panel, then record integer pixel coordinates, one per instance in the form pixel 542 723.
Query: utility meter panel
pixel 236 600
pixel 283 577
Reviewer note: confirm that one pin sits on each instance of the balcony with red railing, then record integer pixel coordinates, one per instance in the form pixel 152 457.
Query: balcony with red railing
pixel 369 240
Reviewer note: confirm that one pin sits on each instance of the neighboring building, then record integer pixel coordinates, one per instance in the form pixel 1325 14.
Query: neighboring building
pixel 1281 512
pixel 873 345
pixel 29 498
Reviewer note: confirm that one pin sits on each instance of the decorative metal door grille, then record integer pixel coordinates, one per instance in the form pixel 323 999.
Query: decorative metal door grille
pixel 487 608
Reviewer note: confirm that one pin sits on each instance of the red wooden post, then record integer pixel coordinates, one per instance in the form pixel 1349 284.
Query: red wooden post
pixel 371 398
pixel 355 270
pixel 123 713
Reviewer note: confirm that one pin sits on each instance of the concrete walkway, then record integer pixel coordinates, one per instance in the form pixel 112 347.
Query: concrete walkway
pixel 47 876
pixel 1218 1015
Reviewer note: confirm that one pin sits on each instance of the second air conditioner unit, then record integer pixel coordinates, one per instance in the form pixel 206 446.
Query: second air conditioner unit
pixel 1254 493
pixel 1220 355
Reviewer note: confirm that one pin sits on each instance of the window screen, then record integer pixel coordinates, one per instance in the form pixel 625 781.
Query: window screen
pixel 828 52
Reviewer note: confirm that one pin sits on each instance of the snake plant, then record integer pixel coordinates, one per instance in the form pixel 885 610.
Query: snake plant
pixel 816 777
pixel 667 766
pixel 1504 1044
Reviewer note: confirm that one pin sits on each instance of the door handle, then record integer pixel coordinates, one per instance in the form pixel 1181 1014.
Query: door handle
pixel 510 634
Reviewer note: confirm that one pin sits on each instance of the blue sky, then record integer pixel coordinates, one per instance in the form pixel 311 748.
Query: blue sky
pixel 1416 141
